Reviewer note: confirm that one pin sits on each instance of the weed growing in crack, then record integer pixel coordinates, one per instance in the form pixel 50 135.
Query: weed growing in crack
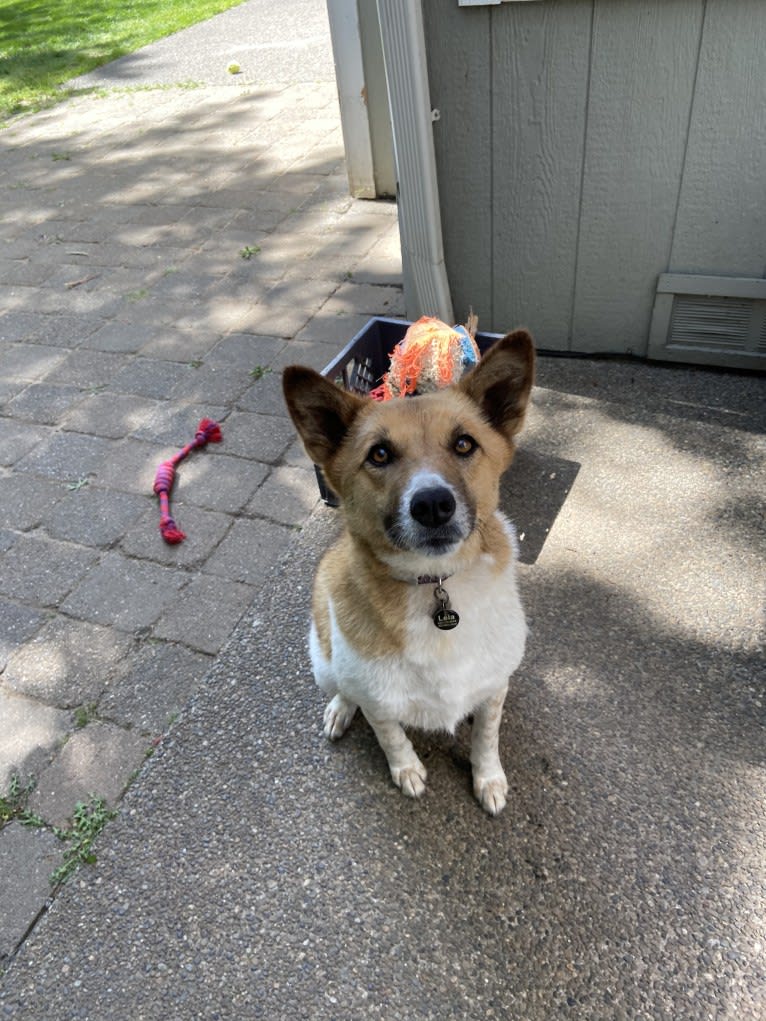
pixel 84 714
pixel 76 484
pixel 259 372
pixel 13 805
pixel 88 820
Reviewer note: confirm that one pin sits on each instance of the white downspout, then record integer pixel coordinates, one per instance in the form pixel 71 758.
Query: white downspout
pixel 426 288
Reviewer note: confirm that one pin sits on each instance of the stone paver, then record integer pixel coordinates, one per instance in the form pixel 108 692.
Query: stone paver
pixel 34 328
pixel 175 422
pixel 262 437
pixel 210 609
pixel 383 263
pixel 248 551
pixel 45 404
pixel 32 731
pixel 264 395
pixel 7 539
pixel 130 594
pixel 28 363
pixel 212 381
pixel 96 760
pixel 17 439
pixel 250 352
pixel 88 370
pixel 69 457
pixel 175 345
pixel 223 483
pixel 17 623
pixel 316 354
pixel 27 859
pixel 355 298
pixel 335 330
pixel 132 464
pixel 26 500
pixel 110 415
pixel 94 517
pixel 204 530
pixel 155 684
pixel 42 571
pixel 7 392
pixel 288 496
pixel 149 377
pixel 68 663
pixel 128 313
pixel 116 337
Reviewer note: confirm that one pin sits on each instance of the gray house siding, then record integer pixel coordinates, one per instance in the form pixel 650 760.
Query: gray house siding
pixel 585 147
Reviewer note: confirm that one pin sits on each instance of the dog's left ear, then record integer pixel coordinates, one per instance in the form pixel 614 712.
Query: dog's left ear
pixel 321 412
pixel 501 382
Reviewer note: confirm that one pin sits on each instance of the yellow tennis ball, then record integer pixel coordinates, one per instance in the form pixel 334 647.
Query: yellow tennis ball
pixel 234 68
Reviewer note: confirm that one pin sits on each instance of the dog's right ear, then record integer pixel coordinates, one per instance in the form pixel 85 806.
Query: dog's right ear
pixel 321 412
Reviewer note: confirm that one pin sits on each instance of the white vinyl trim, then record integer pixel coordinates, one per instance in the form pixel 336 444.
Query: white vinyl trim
pixel 426 288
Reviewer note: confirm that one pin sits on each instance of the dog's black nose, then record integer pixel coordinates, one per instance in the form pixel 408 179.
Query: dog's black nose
pixel 433 507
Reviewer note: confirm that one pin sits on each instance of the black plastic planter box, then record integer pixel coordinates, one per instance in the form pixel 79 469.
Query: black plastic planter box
pixel 361 364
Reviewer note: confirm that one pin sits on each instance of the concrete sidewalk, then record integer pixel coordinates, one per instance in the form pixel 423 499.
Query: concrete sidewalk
pixel 272 43
pixel 256 871
pixel 164 253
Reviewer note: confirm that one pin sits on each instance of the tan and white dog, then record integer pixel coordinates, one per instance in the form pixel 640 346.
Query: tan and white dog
pixel 417 619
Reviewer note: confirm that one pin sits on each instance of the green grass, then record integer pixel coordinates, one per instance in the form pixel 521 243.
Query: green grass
pixel 44 43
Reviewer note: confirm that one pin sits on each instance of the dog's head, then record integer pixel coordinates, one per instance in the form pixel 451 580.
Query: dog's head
pixel 418 477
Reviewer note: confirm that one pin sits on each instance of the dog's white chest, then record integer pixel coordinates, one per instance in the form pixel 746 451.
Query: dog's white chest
pixel 438 677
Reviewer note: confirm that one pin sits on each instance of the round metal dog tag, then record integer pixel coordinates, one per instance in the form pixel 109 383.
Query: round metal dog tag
pixel 446 619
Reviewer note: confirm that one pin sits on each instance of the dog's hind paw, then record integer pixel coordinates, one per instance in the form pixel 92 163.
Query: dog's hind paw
pixel 411 779
pixel 490 793
pixel 338 715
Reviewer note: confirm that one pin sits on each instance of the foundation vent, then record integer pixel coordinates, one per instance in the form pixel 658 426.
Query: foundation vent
pixel 710 320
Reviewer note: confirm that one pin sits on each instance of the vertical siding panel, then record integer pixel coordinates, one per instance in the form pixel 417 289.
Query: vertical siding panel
pixel 643 67
pixel 540 74
pixel 721 225
pixel 459 80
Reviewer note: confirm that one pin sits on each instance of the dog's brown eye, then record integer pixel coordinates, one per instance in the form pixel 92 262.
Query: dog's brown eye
pixel 379 455
pixel 464 445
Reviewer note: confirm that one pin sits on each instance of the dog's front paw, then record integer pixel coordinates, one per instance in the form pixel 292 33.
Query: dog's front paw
pixel 491 792
pixel 338 715
pixel 410 778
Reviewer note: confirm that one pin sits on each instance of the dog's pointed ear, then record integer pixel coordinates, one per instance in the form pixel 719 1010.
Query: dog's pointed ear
pixel 501 382
pixel 321 412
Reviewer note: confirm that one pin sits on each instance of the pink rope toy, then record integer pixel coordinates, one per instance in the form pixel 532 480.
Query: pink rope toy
pixel 208 431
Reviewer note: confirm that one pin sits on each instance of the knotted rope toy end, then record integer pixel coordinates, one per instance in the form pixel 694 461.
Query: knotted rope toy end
pixel 208 431
pixel 170 531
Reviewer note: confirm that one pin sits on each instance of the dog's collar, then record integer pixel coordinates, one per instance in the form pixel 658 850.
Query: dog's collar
pixel 431 579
